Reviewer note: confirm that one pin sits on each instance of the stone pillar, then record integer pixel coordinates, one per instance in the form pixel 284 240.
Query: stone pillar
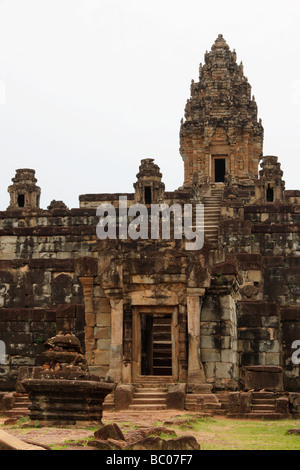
pixel 90 317
pixel 195 367
pixel 116 345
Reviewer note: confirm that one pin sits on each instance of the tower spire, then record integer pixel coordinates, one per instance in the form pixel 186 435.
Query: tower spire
pixel 221 119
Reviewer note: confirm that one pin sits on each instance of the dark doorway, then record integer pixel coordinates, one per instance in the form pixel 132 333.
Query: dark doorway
pixel 270 194
pixel 148 195
pixel 156 344
pixel 220 169
pixel 21 200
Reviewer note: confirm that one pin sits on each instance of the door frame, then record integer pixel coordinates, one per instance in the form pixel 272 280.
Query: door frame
pixel 137 311
pixel 213 166
pixel 214 158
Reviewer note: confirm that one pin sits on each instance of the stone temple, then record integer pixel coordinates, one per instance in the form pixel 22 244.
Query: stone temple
pixel 202 327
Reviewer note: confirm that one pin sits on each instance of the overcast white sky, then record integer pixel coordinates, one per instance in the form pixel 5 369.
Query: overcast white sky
pixel 90 87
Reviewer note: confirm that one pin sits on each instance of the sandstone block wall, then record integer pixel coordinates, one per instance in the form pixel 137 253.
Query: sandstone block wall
pixel 267 256
pixel 40 292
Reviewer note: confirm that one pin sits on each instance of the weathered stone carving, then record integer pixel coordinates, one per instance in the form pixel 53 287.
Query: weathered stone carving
pixel 147 310
pixel 24 193
pixel 66 393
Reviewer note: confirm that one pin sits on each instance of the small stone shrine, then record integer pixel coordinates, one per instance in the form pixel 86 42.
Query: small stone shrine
pixel 66 393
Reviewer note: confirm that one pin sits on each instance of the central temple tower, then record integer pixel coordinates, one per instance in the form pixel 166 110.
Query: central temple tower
pixel 221 136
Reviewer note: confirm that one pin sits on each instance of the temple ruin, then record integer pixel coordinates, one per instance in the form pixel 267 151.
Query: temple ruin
pixel 199 326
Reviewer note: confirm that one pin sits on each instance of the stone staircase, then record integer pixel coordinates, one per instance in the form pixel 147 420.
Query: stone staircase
pixel 151 393
pixel 223 397
pixel 212 209
pixel 20 407
pixel 264 405
pixel 207 403
pixel 109 402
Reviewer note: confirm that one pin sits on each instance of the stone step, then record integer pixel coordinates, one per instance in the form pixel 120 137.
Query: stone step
pixel 150 393
pixel 262 395
pixel 149 390
pixel 214 408
pixel 143 394
pixel 16 413
pixel 23 400
pixel 154 386
pixel 148 407
pixel 108 405
pixel 208 397
pixel 223 399
pixel 206 405
pixel 264 408
pixel 264 401
pixel 204 401
pixel 149 401
pixel 259 415
pixel 148 378
pixel 156 381
pixel 22 405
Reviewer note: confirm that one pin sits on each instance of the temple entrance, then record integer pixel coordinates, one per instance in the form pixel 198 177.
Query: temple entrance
pixel 219 169
pixel 156 344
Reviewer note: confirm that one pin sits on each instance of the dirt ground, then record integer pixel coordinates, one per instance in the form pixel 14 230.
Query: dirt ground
pixel 216 433
pixel 58 436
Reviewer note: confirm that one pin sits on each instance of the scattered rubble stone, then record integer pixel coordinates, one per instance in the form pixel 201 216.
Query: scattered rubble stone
pixel 110 431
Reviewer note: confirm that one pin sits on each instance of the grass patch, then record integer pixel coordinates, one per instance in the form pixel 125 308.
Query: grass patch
pixel 59 447
pixel 227 434
pixel 166 436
